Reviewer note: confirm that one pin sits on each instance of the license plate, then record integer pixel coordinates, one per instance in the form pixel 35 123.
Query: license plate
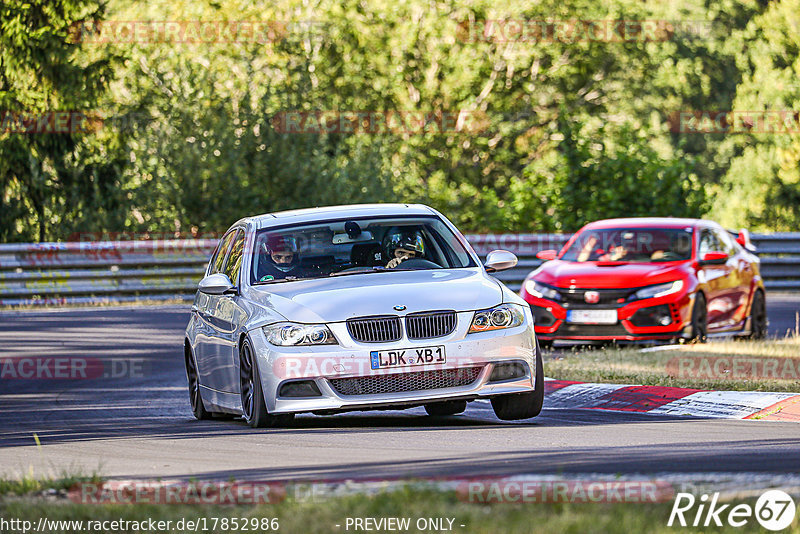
pixel 592 316
pixel 386 359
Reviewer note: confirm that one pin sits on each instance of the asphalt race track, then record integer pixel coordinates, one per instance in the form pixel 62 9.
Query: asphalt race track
pixel 140 426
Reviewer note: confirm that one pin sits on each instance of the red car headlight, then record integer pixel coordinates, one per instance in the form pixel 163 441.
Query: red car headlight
pixel 537 289
pixel 659 290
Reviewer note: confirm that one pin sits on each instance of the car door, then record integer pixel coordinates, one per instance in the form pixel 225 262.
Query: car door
pixel 210 350
pixel 229 315
pixel 715 278
pixel 739 278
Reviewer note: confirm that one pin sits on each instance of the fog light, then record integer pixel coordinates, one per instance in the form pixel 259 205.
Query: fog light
pixel 507 371
pixel 542 316
pixel 299 388
pixel 652 316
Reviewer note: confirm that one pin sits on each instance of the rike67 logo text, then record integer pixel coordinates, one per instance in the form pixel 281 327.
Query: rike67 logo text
pixel 774 510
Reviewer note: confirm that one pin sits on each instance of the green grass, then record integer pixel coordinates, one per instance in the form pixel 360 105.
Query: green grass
pixel 323 516
pixel 27 483
pixel 629 365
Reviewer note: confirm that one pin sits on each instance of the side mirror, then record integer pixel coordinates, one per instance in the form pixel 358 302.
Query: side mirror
pixel 215 284
pixel 547 255
pixel 714 258
pixel 499 260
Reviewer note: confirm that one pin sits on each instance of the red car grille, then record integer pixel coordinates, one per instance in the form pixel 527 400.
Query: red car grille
pixel 607 296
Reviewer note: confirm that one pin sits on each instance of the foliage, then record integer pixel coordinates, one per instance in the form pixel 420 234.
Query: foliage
pixel 762 186
pixel 565 132
pixel 53 184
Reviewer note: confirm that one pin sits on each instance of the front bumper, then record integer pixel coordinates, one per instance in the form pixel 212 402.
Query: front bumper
pixel 327 365
pixel 551 322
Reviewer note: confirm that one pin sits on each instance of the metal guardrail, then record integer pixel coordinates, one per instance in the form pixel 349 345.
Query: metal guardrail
pixel 120 271
pixel 113 271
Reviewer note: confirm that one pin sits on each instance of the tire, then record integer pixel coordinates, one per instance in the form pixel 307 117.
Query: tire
pixel 193 379
pixel 699 320
pixel 758 316
pixel 522 405
pixel 254 408
pixel 546 344
pixel 446 408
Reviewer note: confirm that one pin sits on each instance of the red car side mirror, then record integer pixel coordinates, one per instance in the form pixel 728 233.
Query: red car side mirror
pixel 714 258
pixel 547 255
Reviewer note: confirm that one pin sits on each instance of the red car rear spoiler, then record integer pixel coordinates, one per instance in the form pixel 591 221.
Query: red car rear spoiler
pixel 743 238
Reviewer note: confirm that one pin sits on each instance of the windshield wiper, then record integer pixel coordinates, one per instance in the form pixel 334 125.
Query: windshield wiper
pixel 369 270
pixel 365 270
pixel 287 279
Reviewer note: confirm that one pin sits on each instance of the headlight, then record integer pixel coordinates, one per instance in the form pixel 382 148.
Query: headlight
pixel 503 316
pixel 293 334
pixel 659 290
pixel 540 290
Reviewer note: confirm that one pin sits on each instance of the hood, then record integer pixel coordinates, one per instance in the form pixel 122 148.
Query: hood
pixel 598 276
pixel 336 299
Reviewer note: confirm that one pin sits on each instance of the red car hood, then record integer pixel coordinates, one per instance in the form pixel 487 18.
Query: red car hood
pixel 593 275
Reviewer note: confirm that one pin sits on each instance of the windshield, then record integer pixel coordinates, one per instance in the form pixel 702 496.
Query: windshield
pixel 355 246
pixel 641 245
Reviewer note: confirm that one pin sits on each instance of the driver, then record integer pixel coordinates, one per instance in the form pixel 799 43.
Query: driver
pixel 278 259
pixel 680 248
pixel 404 246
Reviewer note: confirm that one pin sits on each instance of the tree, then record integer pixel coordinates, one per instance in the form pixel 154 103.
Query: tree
pixel 51 181
pixel 762 187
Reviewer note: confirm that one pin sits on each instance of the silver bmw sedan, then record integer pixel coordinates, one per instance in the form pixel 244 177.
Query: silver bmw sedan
pixel 366 307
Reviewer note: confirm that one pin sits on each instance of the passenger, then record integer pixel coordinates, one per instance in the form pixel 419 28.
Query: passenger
pixel 615 253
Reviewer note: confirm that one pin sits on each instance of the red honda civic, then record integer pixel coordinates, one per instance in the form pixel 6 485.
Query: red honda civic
pixel 648 279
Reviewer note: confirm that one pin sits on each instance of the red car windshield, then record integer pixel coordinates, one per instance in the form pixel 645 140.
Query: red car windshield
pixel 639 245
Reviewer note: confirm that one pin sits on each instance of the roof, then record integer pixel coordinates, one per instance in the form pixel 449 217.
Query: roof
pixel 336 212
pixel 647 222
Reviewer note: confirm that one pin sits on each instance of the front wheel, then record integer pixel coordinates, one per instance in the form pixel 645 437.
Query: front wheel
pixel 195 398
pixel 758 316
pixel 699 320
pixel 522 405
pixel 254 409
